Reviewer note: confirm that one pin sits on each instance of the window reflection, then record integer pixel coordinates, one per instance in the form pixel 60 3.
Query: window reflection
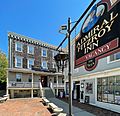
pixel 108 89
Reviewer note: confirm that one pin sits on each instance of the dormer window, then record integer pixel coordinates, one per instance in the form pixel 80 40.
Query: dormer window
pixel 44 52
pixel 30 50
pixel 18 46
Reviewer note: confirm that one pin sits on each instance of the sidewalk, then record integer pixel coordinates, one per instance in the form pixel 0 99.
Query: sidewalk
pixel 65 106
pixel 97 111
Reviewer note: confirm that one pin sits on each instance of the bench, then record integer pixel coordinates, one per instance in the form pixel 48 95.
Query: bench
pixel 2 99
pixel 45 101
pixel 62 114
pixel 55 108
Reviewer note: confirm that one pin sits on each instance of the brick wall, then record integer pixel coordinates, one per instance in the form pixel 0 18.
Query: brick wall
pixel 36 56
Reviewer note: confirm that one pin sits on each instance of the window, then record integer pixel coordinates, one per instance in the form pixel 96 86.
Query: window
pixel 30 78
pixel 44 64
pixel 54 53
pixel 18 77
pixel 89 88
pixel 55 80
pixel 114 57
pixel 53 65
pixel 30 50
pixel 62 79
pixel 18 62
pixel 108 89
pixel 30 63
pixel 44 52
pixel 18 46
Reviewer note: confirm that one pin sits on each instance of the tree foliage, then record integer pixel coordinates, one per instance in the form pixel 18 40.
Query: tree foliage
pixel 3 66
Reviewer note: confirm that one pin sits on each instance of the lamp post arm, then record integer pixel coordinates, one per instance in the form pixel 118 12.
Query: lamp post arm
pixel 62 42
pixel 82 15
pixel 77 22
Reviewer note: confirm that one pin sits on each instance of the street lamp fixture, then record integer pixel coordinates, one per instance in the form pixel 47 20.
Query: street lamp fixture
pixel 61 59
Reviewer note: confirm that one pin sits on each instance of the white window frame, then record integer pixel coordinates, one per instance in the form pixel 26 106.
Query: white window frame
pixel 28 62
pixel 16 62
pixel 16 46
pixel 53 65
pixel 19 74
pixel 54 53
pixel 108 58
pixel 46 52
pixel 43 65
pixel 28 49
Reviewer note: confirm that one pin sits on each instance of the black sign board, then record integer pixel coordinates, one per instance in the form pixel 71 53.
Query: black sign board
pixel 99 35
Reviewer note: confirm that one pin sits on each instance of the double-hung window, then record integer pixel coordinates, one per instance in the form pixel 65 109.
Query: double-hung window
pixel 53 65
pixel 18 77
pixel 30 63
pixel 44 64
pixel 18 61
pixel 30 49
pixel 44 52
pixel 18 46
pixel 114 57
pixel 54 53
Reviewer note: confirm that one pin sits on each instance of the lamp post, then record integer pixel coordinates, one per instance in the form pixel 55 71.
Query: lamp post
pixel 69 31
pixel 60 61
pixel 69 70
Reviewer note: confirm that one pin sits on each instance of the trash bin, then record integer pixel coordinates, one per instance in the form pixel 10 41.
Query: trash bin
pixel 87 99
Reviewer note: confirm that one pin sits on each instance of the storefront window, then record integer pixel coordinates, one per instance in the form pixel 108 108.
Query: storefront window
pixel 108 89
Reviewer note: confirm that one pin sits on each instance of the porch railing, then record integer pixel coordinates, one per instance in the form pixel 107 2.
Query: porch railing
pixel 36 84
pixel 13 84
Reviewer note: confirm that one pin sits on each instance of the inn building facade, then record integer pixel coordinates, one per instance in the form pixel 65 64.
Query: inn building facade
pixel 31 67
pixel 101 85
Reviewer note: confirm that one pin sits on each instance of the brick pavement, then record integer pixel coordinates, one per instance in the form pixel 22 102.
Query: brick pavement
pixel 23 107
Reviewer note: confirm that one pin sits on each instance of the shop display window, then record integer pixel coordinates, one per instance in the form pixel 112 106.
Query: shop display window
pixel 108 89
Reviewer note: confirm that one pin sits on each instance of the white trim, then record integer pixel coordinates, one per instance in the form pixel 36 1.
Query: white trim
pixel 42 52
pixel 46 64
pixel 108 59
pixel 29 48
pixel 18 74
pixel 10 53
pixel 16 61
pixel 29 62
pixel 53 65
pixel 112 72
pixel 54 53
pixel 17 45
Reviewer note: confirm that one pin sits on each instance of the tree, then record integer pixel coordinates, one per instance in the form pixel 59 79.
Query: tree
pixel 3 67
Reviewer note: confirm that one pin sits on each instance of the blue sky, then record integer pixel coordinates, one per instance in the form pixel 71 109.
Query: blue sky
pixel 39 19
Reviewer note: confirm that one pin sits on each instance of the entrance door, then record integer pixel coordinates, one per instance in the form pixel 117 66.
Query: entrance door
pixel 78 92
pixel 44 81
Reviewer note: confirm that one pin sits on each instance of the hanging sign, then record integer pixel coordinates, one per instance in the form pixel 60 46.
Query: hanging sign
pixel 99 35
